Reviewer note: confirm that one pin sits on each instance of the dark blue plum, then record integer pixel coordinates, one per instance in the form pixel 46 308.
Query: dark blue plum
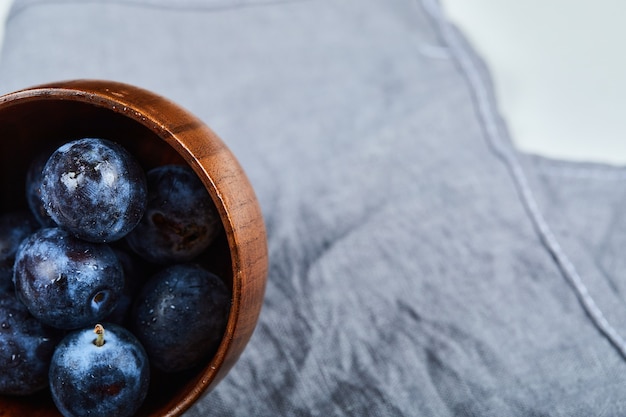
pixel 67 282
pixel 6 279
pixel 94 188
pixel 14 227
pixel 134 278
pixel 26 347
pixel 180 316
pixel 99 372
pixel 34 177
pixel 180 220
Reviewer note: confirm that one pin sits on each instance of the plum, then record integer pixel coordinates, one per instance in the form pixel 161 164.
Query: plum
pixel 180 220
pixel 6 279
pixel 106 374
pixel 94 188
pixel 134 278
pixel 14 227
pixel 34 178
pixel 66 282
pixel 26 347
pixel 180 316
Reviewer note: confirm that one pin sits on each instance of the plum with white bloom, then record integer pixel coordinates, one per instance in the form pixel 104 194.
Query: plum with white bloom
pixel 67 282
pixel 94 188
pixel 98 372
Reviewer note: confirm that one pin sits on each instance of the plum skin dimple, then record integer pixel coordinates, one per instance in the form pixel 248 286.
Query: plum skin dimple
pixel 180 220
pixel 107 380
pixel 66 282
pixel 94 188
pixel 26 347
pixel 180 316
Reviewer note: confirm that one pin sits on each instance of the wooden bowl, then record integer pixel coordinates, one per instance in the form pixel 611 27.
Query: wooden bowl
pixel 157 132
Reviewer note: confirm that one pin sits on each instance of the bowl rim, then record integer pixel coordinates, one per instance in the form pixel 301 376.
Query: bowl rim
pixel 225 181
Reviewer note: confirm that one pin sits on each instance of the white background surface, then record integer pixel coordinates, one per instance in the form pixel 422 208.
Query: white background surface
pixel 559 67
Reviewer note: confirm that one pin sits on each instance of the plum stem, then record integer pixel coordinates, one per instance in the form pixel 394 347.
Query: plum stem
pixel 99 331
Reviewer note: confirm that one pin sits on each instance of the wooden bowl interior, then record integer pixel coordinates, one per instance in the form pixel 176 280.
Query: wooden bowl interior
pixel 30 127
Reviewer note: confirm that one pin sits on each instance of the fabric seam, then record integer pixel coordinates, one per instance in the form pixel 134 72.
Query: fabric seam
pixel 506 152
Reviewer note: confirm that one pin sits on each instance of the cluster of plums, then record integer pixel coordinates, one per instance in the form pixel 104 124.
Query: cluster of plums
pixel 78 315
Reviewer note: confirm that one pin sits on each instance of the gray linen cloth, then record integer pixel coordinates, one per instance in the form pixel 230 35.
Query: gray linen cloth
pixel 419 265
